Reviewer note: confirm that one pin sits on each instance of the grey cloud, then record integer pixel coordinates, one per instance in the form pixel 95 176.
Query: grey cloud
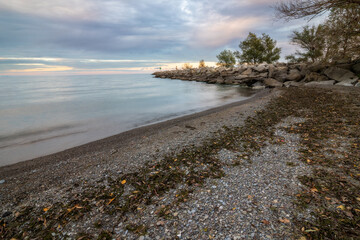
pixel 124 29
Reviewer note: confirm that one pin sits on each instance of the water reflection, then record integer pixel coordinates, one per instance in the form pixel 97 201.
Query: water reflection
pixel 42 115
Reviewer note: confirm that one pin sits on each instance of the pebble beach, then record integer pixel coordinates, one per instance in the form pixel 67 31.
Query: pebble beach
pixel 233 172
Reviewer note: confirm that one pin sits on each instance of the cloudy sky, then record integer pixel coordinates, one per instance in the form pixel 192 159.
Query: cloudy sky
pixel 124 36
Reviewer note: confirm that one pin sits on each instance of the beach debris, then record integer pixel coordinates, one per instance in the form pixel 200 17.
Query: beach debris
pixel 113 151
pixel 284 220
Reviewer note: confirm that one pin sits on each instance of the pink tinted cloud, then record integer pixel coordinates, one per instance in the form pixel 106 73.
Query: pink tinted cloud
pixel 219 33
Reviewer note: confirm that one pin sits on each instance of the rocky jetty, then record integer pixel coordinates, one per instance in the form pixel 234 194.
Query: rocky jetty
pixel 271 75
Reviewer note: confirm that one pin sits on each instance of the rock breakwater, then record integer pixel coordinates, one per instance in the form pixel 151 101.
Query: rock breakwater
pixel 271 75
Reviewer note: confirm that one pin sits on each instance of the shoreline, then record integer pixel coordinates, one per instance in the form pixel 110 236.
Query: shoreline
pixel 116 140
pixel 253 169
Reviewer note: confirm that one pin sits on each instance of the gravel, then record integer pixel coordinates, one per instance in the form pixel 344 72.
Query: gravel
pixel 253 201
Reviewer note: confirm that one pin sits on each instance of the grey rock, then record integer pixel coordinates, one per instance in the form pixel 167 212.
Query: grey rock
pixel 263 75
pixel 247 72
pixel 356 68
pixel 346 66
pixel 357 84
pixel 258 83
pixel 304 70
pixel 240 69
pixel 226 73
pixel 281 64
pixel 241 77
pixel 220 80
pixel 258 87
pixel 271 70
pixel 292 84
pixel 345 83
pixel 316 67
pixel 260 68
pixel 315 77
pixel 340 74
pixel 270 82
pixel 2 181
pixel 294 75
pixel 229 80
pixel 349 82
pixel 280 74
pixel 330 82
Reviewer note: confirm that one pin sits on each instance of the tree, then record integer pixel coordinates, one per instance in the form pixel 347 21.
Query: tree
pixel 187 66
pixel 342 30
pixel 226 58
pixel 337 39
pixel 258 50
pixel 310 8
pixel 202 63
pixel 311 39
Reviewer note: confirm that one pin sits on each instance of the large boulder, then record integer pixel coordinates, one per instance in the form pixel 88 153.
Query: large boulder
pixel 260 68
pixel 316 67
pixel 303 68
pixel 258 83
pixel 293 84
pixel 258 87
pixel 294 75
pixel 348 83
pixel 241 77
pixel 226 73
pixel 340 74
pixel 270 82
pixel 229 80
pixel 247 72
pixel 346 66
pixel 329 82
pixel 262 75
pixel 315 77
pixel 280 64
pixel 219 80
pixel 280 74
pixel 216 80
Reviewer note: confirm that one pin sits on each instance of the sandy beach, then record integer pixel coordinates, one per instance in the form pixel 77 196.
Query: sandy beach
pixel 234 201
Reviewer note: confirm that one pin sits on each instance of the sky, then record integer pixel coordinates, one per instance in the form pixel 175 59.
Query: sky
pixel 41 37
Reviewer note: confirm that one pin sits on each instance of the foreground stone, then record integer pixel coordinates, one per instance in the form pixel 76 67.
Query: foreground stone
pixel 330 82
pixel 340 74
pixel 270 82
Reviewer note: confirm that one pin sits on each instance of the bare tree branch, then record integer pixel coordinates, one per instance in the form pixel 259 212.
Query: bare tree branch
pixel 295 9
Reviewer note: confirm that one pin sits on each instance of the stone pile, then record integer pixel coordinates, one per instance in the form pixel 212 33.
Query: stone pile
pixel 271 75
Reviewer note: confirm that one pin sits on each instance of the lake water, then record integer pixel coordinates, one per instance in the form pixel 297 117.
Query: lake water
pixel 43 115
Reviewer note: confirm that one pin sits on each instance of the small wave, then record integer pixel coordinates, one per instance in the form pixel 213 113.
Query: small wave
pixel 40 139
pixel 34 132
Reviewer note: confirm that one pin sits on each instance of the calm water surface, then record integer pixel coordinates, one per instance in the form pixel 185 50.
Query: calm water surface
pixel 43 115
